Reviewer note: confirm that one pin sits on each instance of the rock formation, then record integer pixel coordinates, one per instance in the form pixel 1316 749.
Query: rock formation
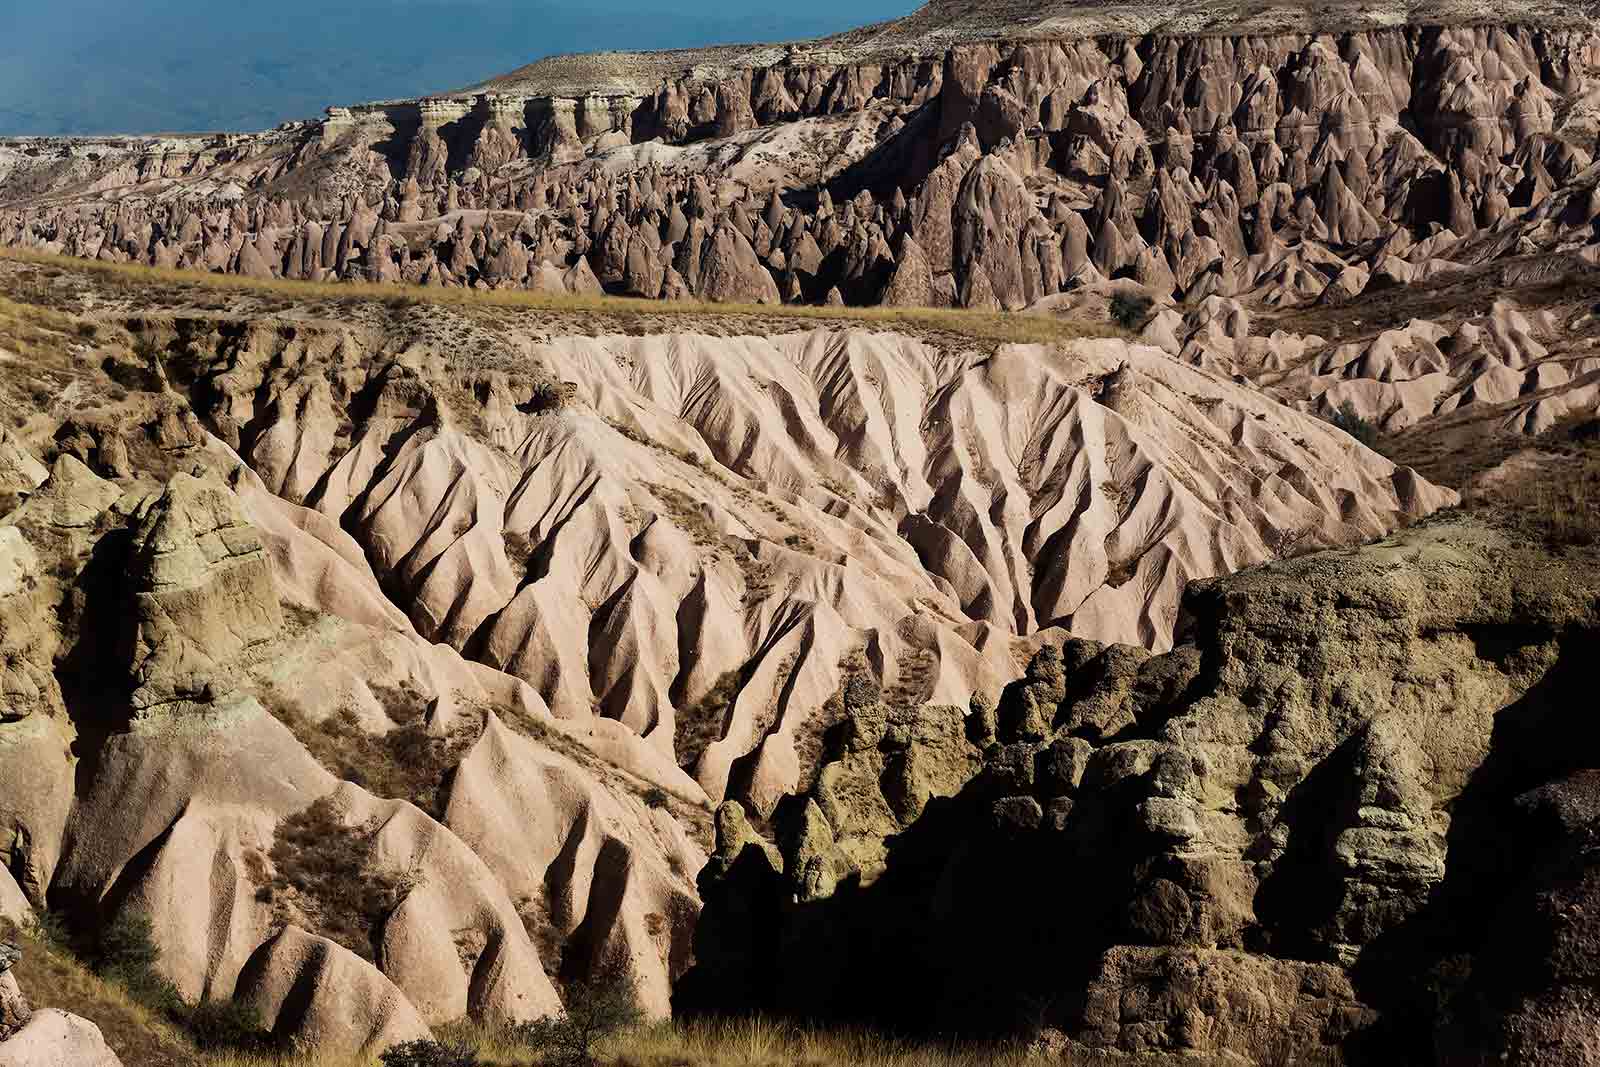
pixel 1009 668
pixel 499 632
pixel 1267 160
pixel 1363 780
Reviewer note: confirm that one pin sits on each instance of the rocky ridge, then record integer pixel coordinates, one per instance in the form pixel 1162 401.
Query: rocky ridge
pixel 499 628
pixel 1298 165
pixel 1344 819
pixel 956 158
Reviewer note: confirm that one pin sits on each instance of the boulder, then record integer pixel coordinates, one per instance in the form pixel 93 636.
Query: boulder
pixel 56 1039
pixel 326 997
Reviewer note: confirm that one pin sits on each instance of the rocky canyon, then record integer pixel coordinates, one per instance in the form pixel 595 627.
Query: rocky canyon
pixel 1064 530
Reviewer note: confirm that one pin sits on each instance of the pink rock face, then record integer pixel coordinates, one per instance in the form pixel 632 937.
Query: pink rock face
pixel 57 1039
pixel 514 600
pixel 1212 166
pixel 719 523
pixel 337 1002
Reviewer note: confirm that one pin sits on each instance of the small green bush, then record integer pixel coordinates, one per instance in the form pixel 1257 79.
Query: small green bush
pixel 124 951
pixel 597 1008
pixel 50 928
pixel 1129 311
pixel 429 1054
pixel 656 797
pixel 227 1025
pixel 1362 429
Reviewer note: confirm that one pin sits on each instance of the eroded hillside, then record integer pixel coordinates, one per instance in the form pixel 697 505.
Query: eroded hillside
pixel 1350 821
pixel 497 611
pixel 957 158
pixel 950 528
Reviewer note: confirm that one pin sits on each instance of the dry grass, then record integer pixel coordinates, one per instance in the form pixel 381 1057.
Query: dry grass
pixel 988 327
pixel 1558 502
pixel 764 1043
pixel 1566 512
pixel 52 978
pixel 324 875
pixel 733 1043
pixel 41 360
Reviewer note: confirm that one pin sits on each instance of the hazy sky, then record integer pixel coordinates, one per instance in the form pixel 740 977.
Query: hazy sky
pixel 105 66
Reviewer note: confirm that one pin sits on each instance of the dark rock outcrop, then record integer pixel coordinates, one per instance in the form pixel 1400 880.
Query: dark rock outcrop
pixel 1350 819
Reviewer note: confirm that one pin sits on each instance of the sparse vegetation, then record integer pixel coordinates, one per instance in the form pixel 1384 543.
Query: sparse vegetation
pixel 757 578
pixel 687 514
pixel 913 678
pixel 594 1010
pixel 813 735
pixel 1357 426
pixel 1129 310
pixel 430 1054
pixel 227 1025
pixel 406 763
pixel 764 1043
pixel 124 952
pixel 326 870
pixel 702 722
pixel 549 395
pixel 1561 504
pixel 54 977
pixel 519 551
pixel 604 313
pixel 1120 572
pixel 112 974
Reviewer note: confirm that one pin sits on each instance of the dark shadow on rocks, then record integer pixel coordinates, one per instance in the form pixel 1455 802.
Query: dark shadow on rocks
pixel 1446 977
pixel 973 932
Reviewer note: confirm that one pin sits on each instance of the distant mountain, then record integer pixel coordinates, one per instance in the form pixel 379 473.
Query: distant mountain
pixel 101 66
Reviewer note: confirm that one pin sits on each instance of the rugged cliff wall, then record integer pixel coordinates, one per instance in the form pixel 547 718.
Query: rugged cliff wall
pixel 1347 823
pixel 1277 168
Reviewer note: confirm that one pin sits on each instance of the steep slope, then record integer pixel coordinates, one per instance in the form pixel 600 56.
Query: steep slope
pixel 697 535
pixel 1346 824
pixel 960 156
pixel 389 662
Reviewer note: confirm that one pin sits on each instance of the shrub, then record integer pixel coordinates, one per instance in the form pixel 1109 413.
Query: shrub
pixel 597 1008
pixel 1352 423
pixel 50 928
pixel 519 551
pixel 702 723
pixel 656 797
pixel 124 951
pixel 429 1054
pixel 1129 310
pixel 326 868
pixel 406 763
pixel 549 395
pixel 126 945
pixel 227 1025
